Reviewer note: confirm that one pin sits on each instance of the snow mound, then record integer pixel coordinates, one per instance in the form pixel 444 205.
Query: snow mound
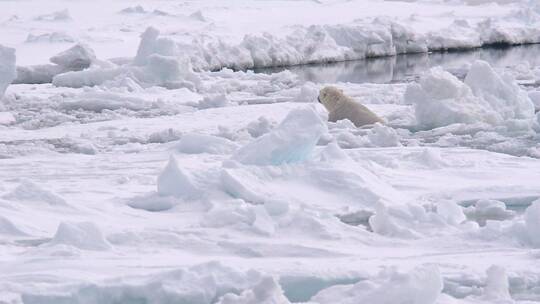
pixel 85 236
pixel 292 141
pixel 8 71
pixel 29 191
pixel 422 285
pixel 441 99
pixel 173 181
pixel 194 143
pixel 78 57
pixel 266 291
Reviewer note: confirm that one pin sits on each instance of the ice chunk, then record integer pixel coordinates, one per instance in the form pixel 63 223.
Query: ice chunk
pixel 214 101
pixel 440 99
pixel 29 191
pixel 485 210
pixel 153 202
pixel 263 222
pixel 502 93
pixel 266 291
pixel 383 223
pixel 85 236
pixel 535 98
pixel 151 43
pixel 89 77
pixel 174 182
pixel 260 126
pixel 431 158
pixel 78 57
pixel 422 285
pixel 383 136
pixel 194 143
pixel 496 284
pixel 451 212
pixel 8 71
pixel 308 93
pixel 99 101
pixel 292 141
pixel 36 74
pixel 532 223
pixel 133 10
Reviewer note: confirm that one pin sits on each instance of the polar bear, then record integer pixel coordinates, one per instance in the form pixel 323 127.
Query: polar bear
pixel 341 106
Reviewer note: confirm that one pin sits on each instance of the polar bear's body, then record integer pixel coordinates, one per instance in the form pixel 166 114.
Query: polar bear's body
pixel 341 106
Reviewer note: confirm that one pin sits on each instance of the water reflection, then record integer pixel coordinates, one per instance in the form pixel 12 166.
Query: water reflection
pixel 407 67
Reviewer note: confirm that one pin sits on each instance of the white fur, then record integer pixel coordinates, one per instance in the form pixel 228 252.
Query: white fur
pixel 341 106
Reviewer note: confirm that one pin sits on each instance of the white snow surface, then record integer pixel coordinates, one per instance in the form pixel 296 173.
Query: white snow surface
pixel 139 162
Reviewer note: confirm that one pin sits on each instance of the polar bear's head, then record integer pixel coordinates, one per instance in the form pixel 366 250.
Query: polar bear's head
pixel 330 97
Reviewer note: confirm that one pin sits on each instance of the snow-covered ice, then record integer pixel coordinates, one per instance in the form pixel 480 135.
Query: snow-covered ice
pixel 170 152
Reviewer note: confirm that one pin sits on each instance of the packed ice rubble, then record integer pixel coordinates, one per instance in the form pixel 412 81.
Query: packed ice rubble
pixel 440 99
pixel 156 63
pixel 76 58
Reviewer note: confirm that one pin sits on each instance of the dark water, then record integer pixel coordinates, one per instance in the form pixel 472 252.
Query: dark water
pixel 404 68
